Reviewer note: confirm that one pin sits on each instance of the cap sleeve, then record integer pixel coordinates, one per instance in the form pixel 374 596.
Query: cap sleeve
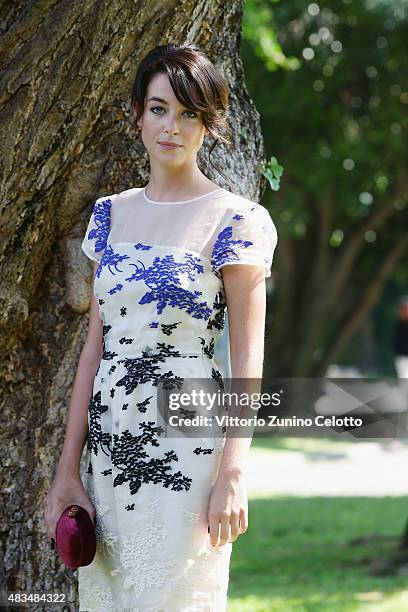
pixel 247 237
pixel 97 232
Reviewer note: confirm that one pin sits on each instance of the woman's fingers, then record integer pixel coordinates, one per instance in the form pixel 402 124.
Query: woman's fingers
pixel 243 521
pixel 213 529
pixel 234 523
pixel 52 513
pixel 224 529
pixel 227 527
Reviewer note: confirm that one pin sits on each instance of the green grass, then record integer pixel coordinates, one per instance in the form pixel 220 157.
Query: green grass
pixel 295 555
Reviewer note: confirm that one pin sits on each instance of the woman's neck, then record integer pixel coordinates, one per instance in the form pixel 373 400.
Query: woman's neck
pixel 179 189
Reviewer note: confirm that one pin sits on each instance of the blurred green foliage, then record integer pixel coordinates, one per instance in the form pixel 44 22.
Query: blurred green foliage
pixel 332 93
pixel 330 82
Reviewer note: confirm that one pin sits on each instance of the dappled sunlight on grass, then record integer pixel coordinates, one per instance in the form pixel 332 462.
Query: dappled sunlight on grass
pixel 297 554
pixel 320 466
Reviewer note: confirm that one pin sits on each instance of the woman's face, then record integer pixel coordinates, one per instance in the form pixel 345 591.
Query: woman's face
pixel 168 120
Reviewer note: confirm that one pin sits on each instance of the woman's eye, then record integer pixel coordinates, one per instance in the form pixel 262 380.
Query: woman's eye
pixel 153 109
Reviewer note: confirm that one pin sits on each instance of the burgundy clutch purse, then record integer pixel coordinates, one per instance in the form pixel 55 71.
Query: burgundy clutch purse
pixel 75 537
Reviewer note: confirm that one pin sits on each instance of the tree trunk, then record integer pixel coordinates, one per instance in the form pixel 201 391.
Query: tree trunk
pixel 319 304
pixel 68 138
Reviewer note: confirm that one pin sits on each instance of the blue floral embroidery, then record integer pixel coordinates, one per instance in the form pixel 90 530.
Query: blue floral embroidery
pixel 238 217
pixel 115 289
pixel 163 280
pixel 111 260
pixel 144 247
pixel 101 217
pixel 154 324
pixel 223 250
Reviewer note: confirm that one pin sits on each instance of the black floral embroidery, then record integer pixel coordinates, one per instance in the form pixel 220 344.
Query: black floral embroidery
pixel 126 340
pixel 168 329
pixel 217 319
pixel 185 412
pixel 203 451
pixel 146 368
pixel 96 437
pixel 142 406
pixel 208 349
pixel 218 274
pixel 106 329
pixel 128 454
pixel 108 355
pixel 136 467
pixel 216 375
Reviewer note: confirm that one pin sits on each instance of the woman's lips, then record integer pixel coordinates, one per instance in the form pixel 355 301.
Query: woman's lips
pixel 168 146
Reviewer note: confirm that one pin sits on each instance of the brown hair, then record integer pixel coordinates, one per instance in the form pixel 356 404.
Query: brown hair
pixel 196 84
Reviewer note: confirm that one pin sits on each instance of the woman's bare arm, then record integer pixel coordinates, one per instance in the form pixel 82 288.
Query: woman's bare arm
pixel 246 301
pixel 77 421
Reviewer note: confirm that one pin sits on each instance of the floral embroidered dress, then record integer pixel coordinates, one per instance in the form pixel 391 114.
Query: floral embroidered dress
pixel 162 304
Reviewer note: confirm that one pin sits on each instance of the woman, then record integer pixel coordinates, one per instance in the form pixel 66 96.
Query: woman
pixel 168 508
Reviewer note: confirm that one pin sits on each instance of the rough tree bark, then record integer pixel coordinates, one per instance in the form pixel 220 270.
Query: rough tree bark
pixel 67 69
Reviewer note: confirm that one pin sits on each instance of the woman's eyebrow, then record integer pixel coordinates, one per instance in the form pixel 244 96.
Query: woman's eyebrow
pixel 157 99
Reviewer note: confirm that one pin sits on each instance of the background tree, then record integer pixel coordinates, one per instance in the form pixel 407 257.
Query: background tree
pixel 331 88
pixel 68 137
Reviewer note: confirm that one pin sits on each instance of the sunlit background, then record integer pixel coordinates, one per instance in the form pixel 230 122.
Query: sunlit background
pixel 328 516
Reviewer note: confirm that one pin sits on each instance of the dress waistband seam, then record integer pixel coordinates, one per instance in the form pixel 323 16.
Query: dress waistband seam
pixel 149 354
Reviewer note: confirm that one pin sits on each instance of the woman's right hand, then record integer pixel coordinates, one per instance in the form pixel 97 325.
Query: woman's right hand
pixel 63 492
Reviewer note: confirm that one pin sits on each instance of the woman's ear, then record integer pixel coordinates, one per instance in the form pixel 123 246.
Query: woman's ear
pixel 134 109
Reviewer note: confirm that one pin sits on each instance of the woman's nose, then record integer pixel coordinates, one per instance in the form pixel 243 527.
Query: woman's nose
pixel 172 126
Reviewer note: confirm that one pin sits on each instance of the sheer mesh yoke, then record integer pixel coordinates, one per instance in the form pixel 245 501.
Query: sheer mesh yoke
pixel 222 227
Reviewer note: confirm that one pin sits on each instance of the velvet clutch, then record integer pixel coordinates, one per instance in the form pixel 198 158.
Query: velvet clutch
pixel 75 537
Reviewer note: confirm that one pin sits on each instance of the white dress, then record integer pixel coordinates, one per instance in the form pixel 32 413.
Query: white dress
pixel 162 305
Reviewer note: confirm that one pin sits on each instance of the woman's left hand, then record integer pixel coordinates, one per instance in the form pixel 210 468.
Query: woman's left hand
pixel 228 509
